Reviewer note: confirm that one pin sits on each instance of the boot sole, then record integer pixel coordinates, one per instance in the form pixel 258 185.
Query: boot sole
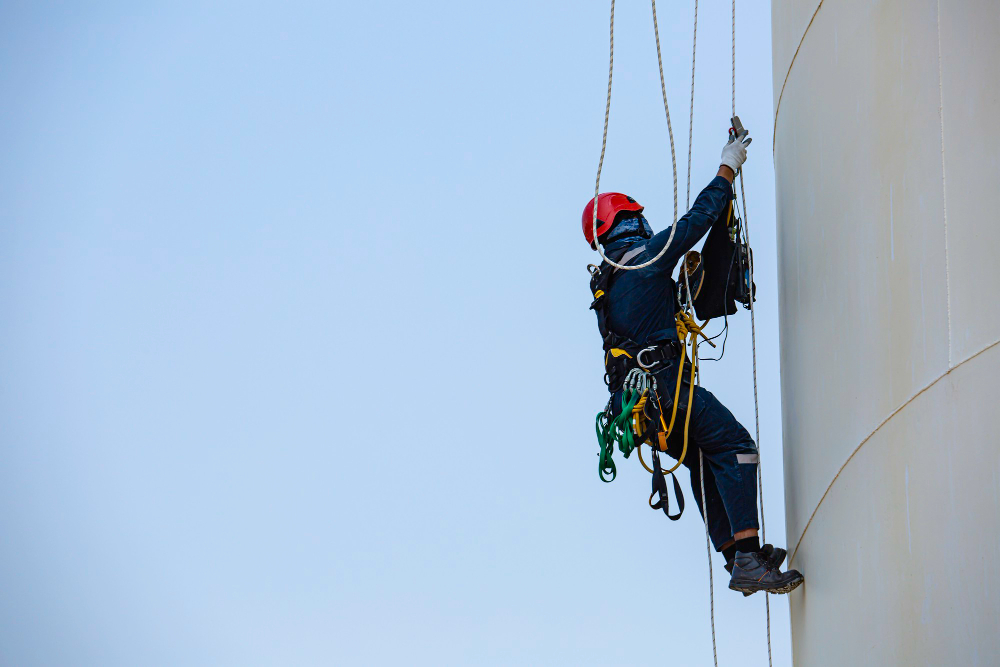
pixel 750 589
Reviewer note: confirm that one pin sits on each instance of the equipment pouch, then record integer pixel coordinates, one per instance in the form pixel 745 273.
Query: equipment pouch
pixel 714 274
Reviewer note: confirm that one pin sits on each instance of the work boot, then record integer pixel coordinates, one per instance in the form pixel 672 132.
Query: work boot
pixel 753 572
pixel 775 557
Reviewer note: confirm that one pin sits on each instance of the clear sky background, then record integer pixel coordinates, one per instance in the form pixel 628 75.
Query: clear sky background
pixel 297 362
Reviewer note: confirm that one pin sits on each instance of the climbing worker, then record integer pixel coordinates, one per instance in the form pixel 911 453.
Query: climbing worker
pixel 637 314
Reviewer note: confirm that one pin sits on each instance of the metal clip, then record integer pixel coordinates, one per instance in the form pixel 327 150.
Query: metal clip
pixel 638 358
pixel 639 380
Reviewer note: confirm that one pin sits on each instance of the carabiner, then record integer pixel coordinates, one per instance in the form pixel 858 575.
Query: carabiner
pixel 638 359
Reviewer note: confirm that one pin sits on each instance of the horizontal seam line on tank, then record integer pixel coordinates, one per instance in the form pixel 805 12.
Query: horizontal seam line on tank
pixel 777 107
pixel 869 437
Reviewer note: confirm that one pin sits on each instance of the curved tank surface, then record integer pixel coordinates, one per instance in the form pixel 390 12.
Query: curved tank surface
pixel 887 161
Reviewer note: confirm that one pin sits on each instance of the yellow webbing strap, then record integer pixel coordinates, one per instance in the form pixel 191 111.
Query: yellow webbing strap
pixel 615 352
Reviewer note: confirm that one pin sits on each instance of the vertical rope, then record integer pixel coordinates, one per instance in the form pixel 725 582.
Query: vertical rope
pixel 694 50
pixel 753 347
pixel 687 285
pixel 734 57
pixel 756 412
pixel 701 472
pixel 708 548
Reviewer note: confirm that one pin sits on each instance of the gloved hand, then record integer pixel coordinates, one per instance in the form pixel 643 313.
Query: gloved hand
pixel 734 154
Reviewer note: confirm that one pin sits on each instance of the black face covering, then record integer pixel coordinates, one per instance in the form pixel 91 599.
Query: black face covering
pixel 628 228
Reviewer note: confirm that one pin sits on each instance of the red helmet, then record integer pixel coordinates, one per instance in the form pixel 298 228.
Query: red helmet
pixel 609 205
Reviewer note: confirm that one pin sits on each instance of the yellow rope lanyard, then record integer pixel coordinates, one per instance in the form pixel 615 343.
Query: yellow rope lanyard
pixel 687 327
pixel 688 331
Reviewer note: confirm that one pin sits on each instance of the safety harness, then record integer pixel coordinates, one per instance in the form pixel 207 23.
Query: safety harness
pixel 716 280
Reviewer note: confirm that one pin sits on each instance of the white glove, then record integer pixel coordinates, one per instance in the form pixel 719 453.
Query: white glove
pixel 734 154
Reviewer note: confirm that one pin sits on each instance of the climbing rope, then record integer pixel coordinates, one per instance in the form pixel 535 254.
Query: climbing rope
pixel 756 412
pixel 694 50
pixel 734 58
pixel 701 474
pixel 753 347
pixel 604 143
pixel 708 550
pixel 687 286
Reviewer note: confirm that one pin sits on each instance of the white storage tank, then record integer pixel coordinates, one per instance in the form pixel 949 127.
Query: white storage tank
pixel 887 159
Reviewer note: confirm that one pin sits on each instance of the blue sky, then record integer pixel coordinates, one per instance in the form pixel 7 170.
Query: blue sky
pixel 298 366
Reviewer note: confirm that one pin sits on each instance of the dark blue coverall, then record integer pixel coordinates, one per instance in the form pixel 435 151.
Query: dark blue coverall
pixel 641 307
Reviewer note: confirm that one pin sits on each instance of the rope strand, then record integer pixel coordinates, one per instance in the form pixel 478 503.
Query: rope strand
pixel 604 143
pixel 701 472
pixel 687 286
pixel 694 50
pixel 708 548
pixel 756 410
pixel 734 57
pixel 753 347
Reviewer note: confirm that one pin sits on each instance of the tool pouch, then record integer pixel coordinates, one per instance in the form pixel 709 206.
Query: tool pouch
pixel 715 273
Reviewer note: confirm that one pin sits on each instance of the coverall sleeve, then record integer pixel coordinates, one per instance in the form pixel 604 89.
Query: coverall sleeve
pixel 710 204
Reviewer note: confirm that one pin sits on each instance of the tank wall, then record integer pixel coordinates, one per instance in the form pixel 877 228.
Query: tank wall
pixel 887 168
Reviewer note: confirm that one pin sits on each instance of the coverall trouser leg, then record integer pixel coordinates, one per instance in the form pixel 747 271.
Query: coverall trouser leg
pixel 730 456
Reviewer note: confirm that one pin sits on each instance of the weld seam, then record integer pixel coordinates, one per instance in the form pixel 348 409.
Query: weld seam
pixel 870 435
pixel 781 94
